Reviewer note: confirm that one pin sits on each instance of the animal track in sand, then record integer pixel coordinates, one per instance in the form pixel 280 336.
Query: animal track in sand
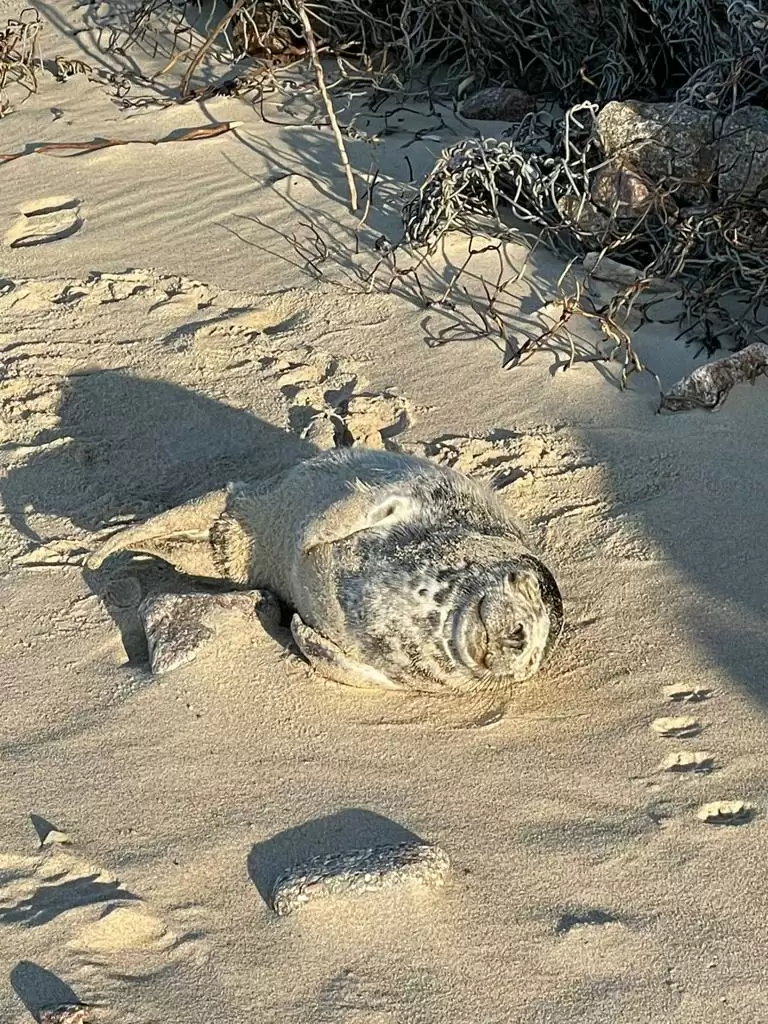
pixel 686 693
pixel 327 406
pixel 103 916
pixel 45 220
pixel 680 727
pixel 697 762
pixel 726 812
pixel 686 761
pixel 584 919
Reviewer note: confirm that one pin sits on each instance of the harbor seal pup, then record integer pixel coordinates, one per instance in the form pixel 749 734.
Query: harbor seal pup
pixel 400 573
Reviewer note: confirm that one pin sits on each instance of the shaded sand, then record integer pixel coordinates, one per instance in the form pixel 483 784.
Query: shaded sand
pixel 585 884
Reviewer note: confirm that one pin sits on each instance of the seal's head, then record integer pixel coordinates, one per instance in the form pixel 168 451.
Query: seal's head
pixel 505 628
pixel 451 612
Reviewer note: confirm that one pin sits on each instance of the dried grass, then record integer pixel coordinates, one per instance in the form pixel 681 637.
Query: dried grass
pixel 538 181
pixel 19 55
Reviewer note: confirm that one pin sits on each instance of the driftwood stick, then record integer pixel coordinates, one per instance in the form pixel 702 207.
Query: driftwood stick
pixel 707 386
pixel 309 35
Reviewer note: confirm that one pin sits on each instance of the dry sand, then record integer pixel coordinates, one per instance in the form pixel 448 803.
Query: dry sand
pixel 584 886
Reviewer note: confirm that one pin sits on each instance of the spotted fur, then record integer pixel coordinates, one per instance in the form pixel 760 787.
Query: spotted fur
pixel 401 573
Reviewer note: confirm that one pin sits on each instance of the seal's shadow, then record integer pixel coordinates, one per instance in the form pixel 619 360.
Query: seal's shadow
pixel 351 829
pixel 135 447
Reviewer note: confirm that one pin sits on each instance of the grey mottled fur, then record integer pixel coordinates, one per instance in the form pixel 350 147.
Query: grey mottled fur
pixel 401 573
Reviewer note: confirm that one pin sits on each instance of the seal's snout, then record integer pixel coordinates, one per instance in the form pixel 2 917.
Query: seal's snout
pixel 517 639
pixel 507 635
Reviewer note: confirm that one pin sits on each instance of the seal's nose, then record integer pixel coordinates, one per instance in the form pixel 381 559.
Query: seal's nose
pixel 516 640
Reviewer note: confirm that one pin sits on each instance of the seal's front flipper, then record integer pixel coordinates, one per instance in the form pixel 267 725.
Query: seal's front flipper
pixel 181 536
pixel 330 661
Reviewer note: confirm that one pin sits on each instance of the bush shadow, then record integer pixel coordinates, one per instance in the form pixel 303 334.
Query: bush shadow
pixel 134 447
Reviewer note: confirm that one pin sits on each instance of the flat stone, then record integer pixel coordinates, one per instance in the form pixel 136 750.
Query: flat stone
pixel 659 140
pixel 179 626
pixel 743 162
pixel 356 872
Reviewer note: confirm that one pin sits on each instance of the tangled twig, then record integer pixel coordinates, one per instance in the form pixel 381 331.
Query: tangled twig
pixel 710 52
pixel 542 183
pixel 19 53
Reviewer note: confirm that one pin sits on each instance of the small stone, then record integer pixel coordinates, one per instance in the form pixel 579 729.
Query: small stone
pixel 708 386
pixel 359 871
pixel 743 161
pixel 498 104
pixel 660 140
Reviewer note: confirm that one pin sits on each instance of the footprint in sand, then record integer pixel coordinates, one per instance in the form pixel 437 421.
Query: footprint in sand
pixel 685 693
pixel 584 919
pixel 726 812
pixel 122 929
pixel 723 812
pixel 680 726
pixel 45 220
pixel 105 918
pixel 688 761
pixel 327 406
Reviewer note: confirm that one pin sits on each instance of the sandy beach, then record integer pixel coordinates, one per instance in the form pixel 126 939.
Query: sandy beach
pixel 169 322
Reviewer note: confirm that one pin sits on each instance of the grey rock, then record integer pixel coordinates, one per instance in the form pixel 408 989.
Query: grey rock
pixel 743 163
pixel 662 139
pixel 621 192
pixel 498 104
pixel 359 871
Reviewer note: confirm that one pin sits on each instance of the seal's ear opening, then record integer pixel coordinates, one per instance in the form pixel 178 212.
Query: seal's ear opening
pixel 552 597
pixel 364 508
pixel 394 509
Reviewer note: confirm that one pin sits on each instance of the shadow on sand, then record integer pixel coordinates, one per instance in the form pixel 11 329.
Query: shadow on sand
pixel 135 447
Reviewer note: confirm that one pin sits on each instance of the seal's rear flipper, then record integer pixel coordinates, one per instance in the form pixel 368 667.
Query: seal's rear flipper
pixel 183 537
pixel 330 661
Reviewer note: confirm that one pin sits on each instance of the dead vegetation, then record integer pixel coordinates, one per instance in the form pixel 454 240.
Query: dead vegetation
pixel 604 180
pixel 19 56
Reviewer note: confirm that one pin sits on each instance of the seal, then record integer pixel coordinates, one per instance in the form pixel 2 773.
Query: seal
pixel 400 573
